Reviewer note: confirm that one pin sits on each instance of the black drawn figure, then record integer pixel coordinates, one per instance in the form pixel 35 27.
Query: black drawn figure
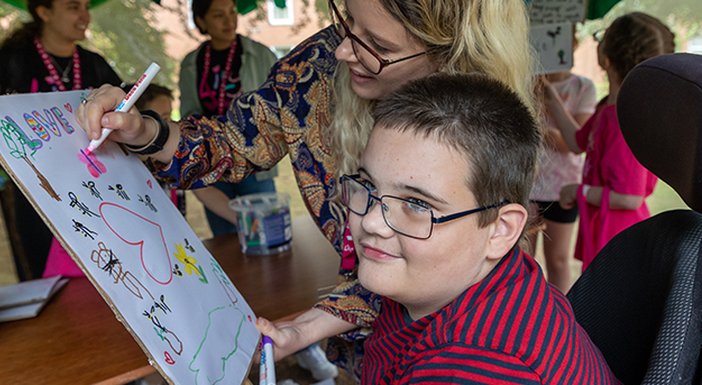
pixel 121 192
pixel 111 264
pixel 176 271
pixel 146 200
pixel 79 227
pixel 90 185
pixel 554 34
pixel 164 333
pixel 161 304
pixel 561 56
pixel 82 207
pixel 188 246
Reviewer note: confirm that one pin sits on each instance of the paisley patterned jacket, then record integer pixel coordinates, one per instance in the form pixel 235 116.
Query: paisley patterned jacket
pixel 288 115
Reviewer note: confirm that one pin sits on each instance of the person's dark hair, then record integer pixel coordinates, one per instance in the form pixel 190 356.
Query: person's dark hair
pixel 150 93
pixel 28 30
pixel 480 118
pixel 633 38
pixel 199 8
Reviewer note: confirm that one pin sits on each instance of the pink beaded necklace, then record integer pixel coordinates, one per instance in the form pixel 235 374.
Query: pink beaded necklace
pixel 77 84
pixel 221 99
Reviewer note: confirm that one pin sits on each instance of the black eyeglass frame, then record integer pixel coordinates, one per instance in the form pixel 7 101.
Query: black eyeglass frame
pixel 434 220
pixel 383 62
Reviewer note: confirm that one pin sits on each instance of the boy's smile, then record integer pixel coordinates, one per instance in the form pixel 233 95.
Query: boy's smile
pixel 422 274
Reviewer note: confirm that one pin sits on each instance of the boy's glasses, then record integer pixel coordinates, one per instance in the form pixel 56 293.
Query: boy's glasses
pixel 411 219
pixel 366 55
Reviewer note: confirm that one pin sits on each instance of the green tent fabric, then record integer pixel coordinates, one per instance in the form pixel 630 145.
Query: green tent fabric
pixel 598 8
pixel 22 4
pixel 246 6
pixel 243 6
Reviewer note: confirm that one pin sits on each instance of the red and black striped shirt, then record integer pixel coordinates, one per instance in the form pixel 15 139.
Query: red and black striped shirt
pixel 510 328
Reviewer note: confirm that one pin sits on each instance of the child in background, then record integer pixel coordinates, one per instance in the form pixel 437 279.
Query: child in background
pixel 571 97
pixel 160 100
pixel 614 187
pixel 436 212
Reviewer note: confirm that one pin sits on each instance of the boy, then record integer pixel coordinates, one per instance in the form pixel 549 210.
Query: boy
pixel 436 212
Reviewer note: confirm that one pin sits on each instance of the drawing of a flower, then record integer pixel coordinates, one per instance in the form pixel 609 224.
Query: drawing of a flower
pixel 188 261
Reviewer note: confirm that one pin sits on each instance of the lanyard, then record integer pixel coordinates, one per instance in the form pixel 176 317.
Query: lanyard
pixel 52 68
pixel 221 100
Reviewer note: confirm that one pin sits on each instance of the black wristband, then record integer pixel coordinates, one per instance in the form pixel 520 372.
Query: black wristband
pixel 158 142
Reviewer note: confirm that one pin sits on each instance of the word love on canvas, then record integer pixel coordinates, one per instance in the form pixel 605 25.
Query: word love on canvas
pixel 38 128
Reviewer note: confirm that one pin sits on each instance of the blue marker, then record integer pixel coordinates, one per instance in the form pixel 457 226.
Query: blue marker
pixel 267 368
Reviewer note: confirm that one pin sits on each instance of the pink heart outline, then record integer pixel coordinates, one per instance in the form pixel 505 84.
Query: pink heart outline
pixel 68 107
pixel 140 242
pixel 168 358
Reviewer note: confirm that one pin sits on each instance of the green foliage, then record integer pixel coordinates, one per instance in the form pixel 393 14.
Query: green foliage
pixel 683 16
pixel 122 32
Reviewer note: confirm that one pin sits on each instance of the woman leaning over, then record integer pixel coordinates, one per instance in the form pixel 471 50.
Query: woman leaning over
pixel 315 107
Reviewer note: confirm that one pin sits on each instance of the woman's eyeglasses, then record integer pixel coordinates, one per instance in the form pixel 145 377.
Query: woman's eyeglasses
pixel 367 56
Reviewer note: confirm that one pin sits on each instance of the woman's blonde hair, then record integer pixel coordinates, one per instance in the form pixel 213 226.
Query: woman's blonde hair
pixel 463 36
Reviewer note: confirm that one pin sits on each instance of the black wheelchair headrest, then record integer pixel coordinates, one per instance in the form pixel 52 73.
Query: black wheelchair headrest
pixel 660 113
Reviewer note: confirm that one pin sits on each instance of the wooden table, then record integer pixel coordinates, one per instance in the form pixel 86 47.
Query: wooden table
pixel 76 339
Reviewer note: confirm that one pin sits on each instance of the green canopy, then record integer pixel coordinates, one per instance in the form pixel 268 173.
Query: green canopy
pixel 246 6
pixel 22 4
pixel 243 6
pixel 598 8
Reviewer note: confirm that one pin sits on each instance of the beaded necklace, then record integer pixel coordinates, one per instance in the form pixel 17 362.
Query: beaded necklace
pixel 221 100
pixel 77 84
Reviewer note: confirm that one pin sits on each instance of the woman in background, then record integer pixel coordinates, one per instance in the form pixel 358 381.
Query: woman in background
pixel 213 75
pixel 43 55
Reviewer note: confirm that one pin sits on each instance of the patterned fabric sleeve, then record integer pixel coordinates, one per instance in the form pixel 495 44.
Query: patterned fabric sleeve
pixel 287 115
pixel 255 132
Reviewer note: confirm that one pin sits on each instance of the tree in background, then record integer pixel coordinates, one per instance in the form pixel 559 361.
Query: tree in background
pixel 122 31
pixel 683 16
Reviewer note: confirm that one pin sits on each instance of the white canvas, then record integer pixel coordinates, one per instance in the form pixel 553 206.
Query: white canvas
pixel 130 240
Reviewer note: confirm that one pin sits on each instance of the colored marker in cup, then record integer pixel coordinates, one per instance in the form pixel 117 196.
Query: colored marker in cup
pixel 128 102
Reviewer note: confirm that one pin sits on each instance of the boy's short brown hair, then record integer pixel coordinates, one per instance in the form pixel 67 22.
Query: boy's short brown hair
pixel 479 117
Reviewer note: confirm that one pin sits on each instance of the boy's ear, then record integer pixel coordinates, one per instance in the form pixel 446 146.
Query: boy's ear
pixel 507 230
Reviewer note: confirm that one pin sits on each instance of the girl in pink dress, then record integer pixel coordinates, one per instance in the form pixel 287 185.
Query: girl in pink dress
pixel 612 195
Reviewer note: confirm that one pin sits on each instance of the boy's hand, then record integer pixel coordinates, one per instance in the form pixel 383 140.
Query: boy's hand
pixel 287 337
pixel 569 195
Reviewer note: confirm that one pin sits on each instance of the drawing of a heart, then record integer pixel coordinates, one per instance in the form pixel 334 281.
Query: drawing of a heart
pixel 168 358
pixel 136 230
pixel 68 107
pixel 148 183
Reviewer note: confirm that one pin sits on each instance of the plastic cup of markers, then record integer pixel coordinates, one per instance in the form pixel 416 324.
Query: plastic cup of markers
pixel 264 224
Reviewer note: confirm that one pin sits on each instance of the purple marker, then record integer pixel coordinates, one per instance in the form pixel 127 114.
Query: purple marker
pixel 267 368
